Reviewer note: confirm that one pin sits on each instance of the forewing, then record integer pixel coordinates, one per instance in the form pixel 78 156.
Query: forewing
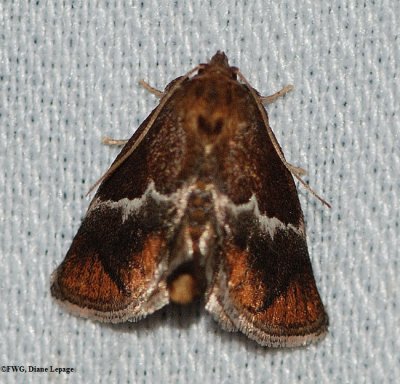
pixel 116 266
pixel 263 284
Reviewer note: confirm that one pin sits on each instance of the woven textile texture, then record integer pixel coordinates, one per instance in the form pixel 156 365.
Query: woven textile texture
pixel 69 75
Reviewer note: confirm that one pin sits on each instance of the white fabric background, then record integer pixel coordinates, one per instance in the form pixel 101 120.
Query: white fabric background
pixel 68 76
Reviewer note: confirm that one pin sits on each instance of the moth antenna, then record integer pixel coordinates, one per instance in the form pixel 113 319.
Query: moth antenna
pixel 297 172
pixel 156 92
pixel 156 113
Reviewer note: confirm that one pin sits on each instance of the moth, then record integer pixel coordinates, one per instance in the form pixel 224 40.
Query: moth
pixel 199 203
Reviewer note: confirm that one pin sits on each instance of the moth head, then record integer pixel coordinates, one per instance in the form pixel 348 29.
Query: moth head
pixel 219 63
pixel 219 60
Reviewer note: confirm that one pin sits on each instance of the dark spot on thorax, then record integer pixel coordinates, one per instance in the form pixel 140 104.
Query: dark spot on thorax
pixel 210 126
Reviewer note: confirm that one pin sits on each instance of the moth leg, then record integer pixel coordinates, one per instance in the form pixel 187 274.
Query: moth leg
pixel 270 99
pixel 107 140
pixel 151 89
pixel 297 172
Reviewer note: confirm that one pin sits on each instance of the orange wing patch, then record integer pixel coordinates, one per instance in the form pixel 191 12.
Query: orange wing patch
pixel 293 316
pixel 83 281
